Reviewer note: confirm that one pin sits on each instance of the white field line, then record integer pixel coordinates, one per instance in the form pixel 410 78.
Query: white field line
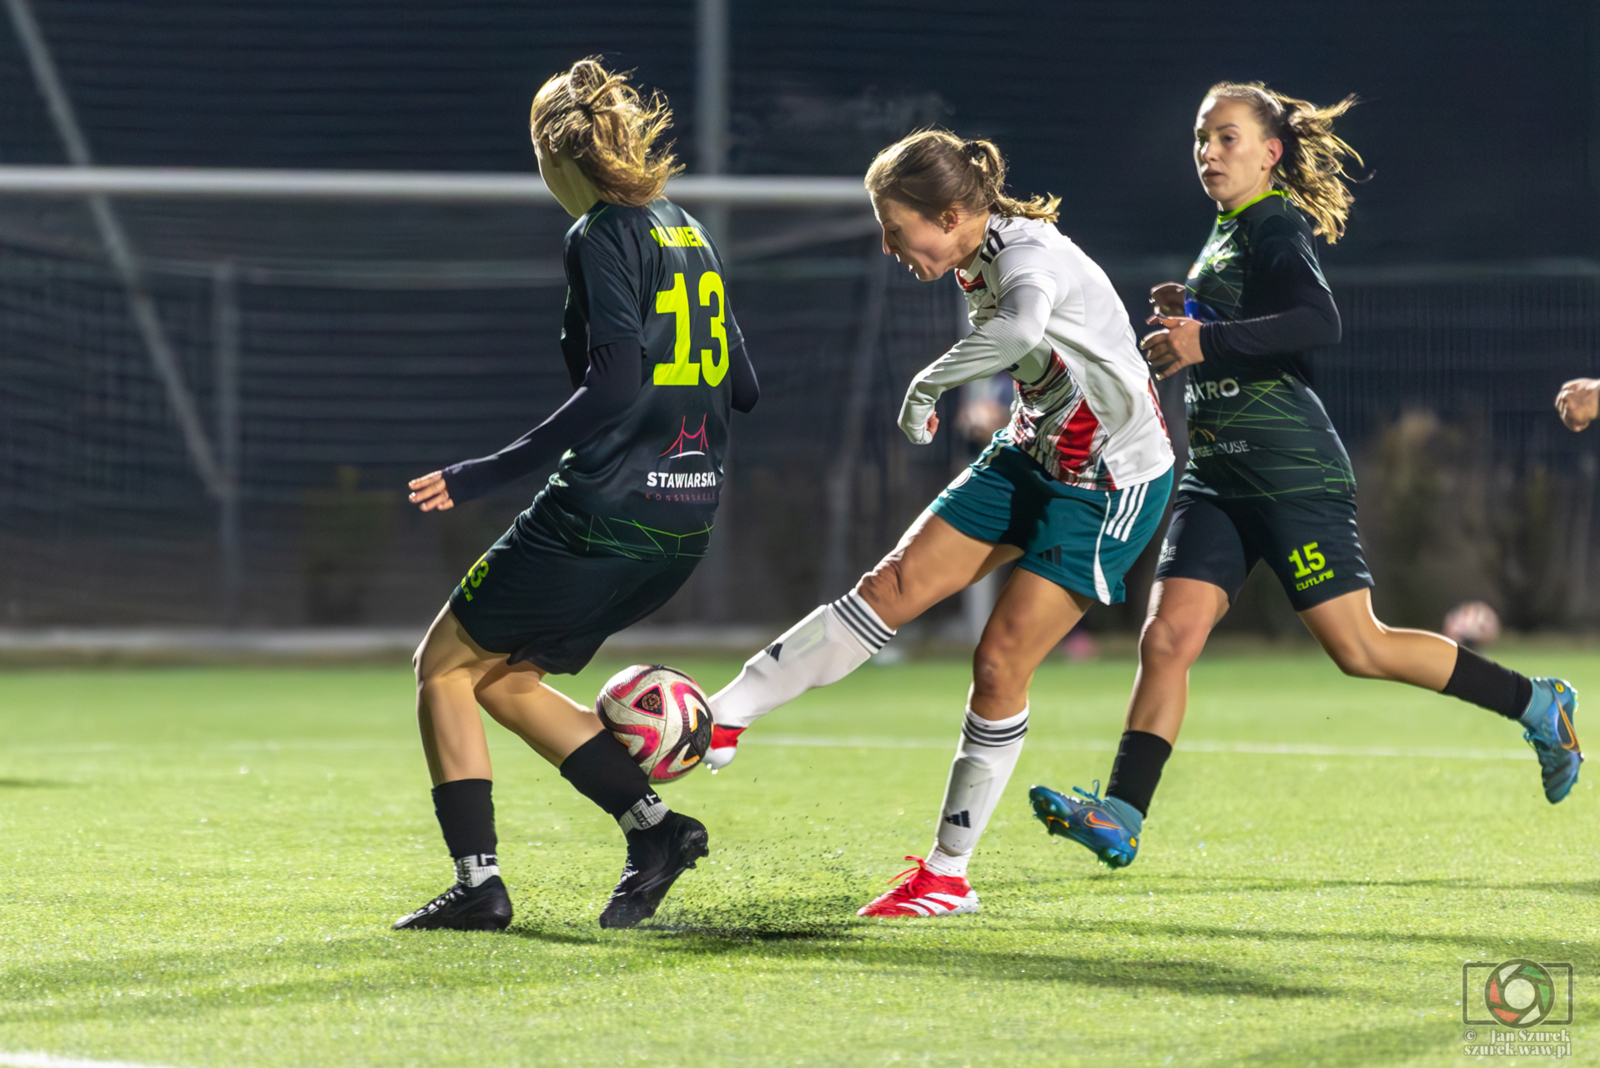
pixel 48 1060
pixel 807 741
pixel 801 741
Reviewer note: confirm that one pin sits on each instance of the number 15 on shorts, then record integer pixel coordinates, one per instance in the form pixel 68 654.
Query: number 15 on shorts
pixel 1308 564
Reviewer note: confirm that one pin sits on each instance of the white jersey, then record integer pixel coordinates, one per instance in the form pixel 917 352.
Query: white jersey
pixel 1046 313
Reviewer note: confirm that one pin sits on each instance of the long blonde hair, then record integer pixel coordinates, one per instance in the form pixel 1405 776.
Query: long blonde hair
pixel 1311 170
pixel 934 171
pixel 600 121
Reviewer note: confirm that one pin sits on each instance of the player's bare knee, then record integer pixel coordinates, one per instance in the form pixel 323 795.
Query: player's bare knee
pixel 995 673
pixel 1354 656
pixel 1165 642
pixel 884 586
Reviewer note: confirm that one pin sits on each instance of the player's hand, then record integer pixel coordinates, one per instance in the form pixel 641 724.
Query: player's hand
pixel 1579 402
pixel 430 493
pixel 1167 298
pixel 919 429
pixel 1174 347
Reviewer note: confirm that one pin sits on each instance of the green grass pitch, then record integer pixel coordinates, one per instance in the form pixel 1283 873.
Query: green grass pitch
pixel 201 865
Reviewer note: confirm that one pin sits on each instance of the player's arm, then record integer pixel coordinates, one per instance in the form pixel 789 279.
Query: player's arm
pixel 602 339
pixel 1285 271
pixel 609 386
pixel 1018 326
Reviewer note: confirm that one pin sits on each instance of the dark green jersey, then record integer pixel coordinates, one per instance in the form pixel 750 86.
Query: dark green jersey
pixel 1256 429
pixel 646 483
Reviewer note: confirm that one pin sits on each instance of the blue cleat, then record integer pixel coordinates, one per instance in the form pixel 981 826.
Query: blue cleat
pixel 1549 722
pixel 1109 828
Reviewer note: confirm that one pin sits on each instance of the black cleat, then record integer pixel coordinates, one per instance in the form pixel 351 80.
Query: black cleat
pixel 485 907
pixel 656 858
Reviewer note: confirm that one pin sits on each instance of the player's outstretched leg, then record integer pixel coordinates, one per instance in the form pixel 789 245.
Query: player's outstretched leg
pixel 1549 722
pixel 932 561
pixel 478 901
pixel 1544 707
pixel 821 649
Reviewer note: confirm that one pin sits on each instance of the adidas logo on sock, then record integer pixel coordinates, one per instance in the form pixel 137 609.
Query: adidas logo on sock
pixel 959 819
pixel 774 649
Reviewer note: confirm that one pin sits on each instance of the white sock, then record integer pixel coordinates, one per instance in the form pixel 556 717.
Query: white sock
pixel 819 650
pixel 984 761
pixel 476 868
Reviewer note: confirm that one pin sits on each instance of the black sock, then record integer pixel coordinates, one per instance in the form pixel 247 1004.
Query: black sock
pixel 1488 685
pixel 1137 770
pixel 602 771
pixel 466 816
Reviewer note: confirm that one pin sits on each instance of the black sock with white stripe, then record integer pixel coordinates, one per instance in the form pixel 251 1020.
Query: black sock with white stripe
pixel 821 649
pixel 984 761
pixel 602 771
pixel 465 808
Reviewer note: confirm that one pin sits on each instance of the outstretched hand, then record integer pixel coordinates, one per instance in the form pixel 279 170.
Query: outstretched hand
pixel 1174 347
pixel 430 493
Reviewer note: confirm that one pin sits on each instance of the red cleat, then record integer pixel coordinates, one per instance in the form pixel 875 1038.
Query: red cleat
pixel 924 893
pixel 724 746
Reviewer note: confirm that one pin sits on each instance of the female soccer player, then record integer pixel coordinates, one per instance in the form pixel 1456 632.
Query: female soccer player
pixel 1268 478
pixel 1072 489
pixel 658 360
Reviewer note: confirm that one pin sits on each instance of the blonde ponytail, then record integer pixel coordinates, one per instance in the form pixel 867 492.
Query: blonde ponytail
pixel 600 121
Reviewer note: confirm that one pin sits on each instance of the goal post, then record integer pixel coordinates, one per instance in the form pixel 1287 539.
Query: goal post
pixel 732 191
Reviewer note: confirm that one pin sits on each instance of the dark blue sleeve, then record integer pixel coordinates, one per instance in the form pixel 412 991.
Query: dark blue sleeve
pixel 1294 309
pixel 609 386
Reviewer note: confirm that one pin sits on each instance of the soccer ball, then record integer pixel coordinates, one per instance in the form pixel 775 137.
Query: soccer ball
pixel 661 715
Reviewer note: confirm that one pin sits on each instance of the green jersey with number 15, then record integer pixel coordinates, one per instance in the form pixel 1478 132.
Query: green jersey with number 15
pixel 646 484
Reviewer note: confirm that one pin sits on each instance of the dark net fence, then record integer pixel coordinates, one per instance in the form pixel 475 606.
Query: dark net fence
pixel 322 381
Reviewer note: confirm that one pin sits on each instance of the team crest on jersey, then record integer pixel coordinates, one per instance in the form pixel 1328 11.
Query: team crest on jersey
pixel 685 470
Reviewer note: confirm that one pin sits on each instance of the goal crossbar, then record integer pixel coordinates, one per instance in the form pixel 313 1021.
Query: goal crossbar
pixel 443 187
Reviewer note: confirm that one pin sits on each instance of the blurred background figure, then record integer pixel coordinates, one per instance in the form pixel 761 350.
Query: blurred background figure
pixel 1473 624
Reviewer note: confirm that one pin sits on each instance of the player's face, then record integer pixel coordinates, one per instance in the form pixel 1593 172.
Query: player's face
pixel 1232 153
pixel 926 247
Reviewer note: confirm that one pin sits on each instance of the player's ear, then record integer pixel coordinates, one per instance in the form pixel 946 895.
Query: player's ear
pixel 950 219
pixel 1274 152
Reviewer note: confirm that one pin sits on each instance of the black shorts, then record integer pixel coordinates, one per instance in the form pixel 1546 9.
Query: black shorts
pixel 533 598
pixel 1310 542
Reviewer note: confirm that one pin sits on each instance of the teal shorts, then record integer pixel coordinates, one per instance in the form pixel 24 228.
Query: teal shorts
pixel 1081 539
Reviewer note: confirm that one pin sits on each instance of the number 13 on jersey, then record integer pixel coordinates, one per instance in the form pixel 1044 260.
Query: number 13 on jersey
pixel 713 362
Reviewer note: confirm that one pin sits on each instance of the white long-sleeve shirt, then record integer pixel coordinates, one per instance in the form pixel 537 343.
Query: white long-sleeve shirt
pixel 1046 313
